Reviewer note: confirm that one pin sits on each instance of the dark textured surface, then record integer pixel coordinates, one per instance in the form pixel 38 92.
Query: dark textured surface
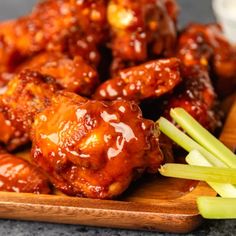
pixel 192 10
pixel 17 228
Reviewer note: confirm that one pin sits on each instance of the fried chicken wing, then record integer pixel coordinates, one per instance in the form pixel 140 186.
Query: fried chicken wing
pixel 197 96
pixel 73 75
pixel 205 53
pixel 206 45
pixel 26 95
pixel 94 149
pixel 146 81
pixel 48 28
pixel 17 175
pixel 140 29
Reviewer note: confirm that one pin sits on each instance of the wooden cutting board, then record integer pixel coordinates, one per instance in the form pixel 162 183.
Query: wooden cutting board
pixel 153 203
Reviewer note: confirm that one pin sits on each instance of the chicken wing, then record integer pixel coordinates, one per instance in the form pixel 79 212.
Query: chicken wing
pixel 73 75
pixel 94 149
pixel 205 45
pixel 26 95
pixel 197 96
pixel 17 175
pixel 48 28
pixel 146 81
pixel 140 29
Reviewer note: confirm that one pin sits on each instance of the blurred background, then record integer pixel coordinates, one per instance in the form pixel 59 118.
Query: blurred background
pixel 189 10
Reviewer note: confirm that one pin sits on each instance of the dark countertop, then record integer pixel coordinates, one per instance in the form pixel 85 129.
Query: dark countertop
pixel 192 10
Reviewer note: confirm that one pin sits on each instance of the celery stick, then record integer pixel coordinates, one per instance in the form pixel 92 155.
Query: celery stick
pixel 217 207
pixel 224 190
pixel 185 141
pixel 204 173
pixel 195 158
pixel 203 137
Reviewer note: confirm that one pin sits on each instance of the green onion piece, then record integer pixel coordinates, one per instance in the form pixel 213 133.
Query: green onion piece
pixel 217 207
pixel 224 190
pixel 185 141
pixel 203 173
pixel 203 137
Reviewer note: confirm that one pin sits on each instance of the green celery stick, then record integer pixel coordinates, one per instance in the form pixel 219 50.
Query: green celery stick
pixel 203 137
pixel 185 141
pixel 217 207
pixel 203 173
pixel 224 190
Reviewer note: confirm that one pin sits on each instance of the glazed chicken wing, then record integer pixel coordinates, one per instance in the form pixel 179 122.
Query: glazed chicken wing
pixel 94 149
pixel 26 95
pixel 73 75
pixel 146 81
pixel 204 52
pixel 140 29
pixel 17 175
pixel 48 28
pixel 205 45
pixel 197 96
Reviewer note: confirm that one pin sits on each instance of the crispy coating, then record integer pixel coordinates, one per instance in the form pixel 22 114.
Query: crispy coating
pixel 94 149
pixel 204 51
pixel 140 29
pixel 146 81
pixel 26 95
pixel 49 26
pixel 205 45
pixel 77 43
pixel 197 96
pixel 73 75
pixel 17 175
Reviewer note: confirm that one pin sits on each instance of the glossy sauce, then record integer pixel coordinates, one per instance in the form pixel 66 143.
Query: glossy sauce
pixel 197 96
pixel 93 148
pixel 147 81
pixel 74 75
pixel 17 175
pixel 49 26
pixel 27 94
pixel 140 30
pixel 206 46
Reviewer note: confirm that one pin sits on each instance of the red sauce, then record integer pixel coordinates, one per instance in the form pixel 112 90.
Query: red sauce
pixel 94 148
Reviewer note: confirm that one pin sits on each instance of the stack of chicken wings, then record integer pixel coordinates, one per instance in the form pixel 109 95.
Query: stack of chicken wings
pixel 73 76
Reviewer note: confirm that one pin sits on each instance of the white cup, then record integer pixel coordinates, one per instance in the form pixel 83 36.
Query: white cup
pixel 225 11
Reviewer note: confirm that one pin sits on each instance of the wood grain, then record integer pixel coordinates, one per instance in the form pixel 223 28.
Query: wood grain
pixel 152 203
pixel 178 215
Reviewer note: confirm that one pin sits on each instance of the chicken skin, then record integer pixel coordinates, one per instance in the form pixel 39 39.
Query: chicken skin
pixel 48 28
pixel 17 175
pixel 197 96
pixel 26 95
pixel 205 45
pixel 94 149
pixel 204 52
pixel 73 75
pixel 140 29
pixel 146 81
